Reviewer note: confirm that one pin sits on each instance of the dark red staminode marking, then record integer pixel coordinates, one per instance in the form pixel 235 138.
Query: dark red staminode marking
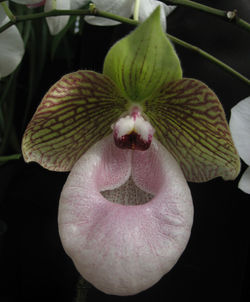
pixel 132 141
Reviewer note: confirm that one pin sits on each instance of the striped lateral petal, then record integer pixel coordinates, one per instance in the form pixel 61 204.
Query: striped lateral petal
pixel 75 113
pixel 190 122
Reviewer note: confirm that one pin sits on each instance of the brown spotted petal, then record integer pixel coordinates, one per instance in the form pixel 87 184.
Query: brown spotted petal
pixel 190 122
pixel 75 113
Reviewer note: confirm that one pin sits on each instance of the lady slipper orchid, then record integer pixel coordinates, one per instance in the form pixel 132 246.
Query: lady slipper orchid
pixel 125 212
pixel 240 128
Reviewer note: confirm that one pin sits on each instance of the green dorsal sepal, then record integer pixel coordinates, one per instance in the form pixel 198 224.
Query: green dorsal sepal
pixel 143 61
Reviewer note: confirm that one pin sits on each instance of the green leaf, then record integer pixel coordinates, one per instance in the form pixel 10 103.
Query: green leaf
pixel 143 61
pixel 190 122
pixel 75 113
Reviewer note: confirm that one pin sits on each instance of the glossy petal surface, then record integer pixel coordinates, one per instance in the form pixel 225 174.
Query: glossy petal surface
pixel 124 249
pixel 143 61
pixel 75 113
pixel 190 122
pixel 240 128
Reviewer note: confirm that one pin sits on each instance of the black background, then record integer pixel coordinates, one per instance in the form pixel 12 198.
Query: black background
pixel 33 265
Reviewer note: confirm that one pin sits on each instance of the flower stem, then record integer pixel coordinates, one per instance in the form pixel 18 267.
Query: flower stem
pixel 210 58
pixel 77 12
pixel 230 16
pixel 136 10
pixel 8 12
pixel 6 158
pixel 100 13
pixel 82 290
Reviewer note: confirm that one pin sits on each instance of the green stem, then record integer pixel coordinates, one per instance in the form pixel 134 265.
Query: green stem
pixel 230 16
pixel 136 10
pixel 8 12
pixel 82 290
pixel 9 113
pixel 77 12
pixel 100 13
pixel 32 73
pixel 6 158
pixel 210 58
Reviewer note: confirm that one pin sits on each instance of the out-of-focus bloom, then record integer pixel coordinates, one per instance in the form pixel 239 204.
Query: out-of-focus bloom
pixel 11 47
pixel 125 8
pixel 11 43
pixel 240 129
pixel 126 211
pixel 119 7
pixel 56 24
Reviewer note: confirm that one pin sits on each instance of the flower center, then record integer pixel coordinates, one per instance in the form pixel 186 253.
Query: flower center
pixel 133 132
pixel 127 194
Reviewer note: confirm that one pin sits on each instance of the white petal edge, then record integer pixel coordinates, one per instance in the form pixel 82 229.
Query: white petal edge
pixel 148 6
pixel 240 128
pixel 244 183
pixel 75 4
pixel 56 24
pixel 11 49
pixel 123 250
pixel 121 8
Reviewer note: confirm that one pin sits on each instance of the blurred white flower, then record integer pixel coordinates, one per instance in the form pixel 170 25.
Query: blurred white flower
pixel 240 128
pixel 125 8
pixel 56 24
pixel 11 47
pixel 118 7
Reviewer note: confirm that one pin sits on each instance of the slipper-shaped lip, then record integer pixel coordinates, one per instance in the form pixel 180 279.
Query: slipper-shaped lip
pixel 125 249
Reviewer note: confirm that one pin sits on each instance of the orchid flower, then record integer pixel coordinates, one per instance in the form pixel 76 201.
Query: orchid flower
pixel 11 47
pixel 125 212
pixel 126 8
pixel 240 128
pixel 119 7
pixel 11 42
pixel 56 24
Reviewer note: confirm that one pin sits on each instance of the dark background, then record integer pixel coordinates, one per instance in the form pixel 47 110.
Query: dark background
pixel 214 266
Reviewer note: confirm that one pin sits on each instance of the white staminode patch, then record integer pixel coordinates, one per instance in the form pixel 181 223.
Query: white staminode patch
pixel 128 124
pixel 124 126
pixel 143 128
